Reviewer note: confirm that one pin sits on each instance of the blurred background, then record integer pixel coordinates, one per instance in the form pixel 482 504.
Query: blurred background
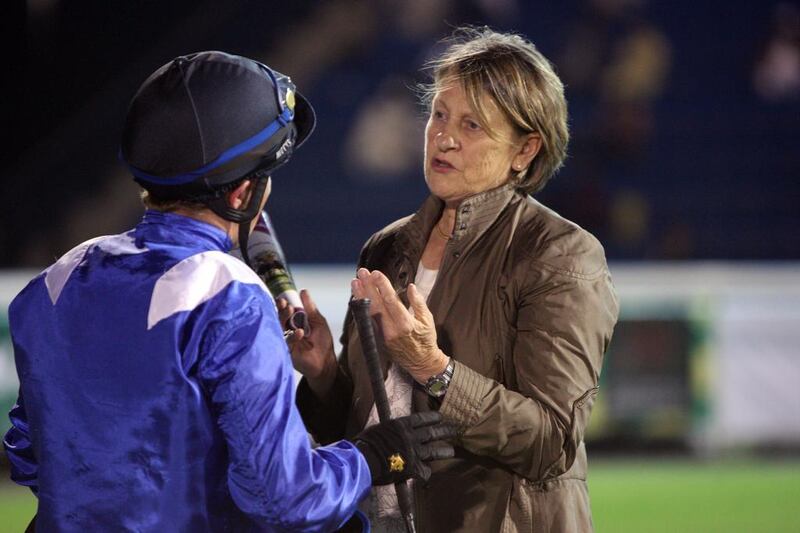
pixel 685 163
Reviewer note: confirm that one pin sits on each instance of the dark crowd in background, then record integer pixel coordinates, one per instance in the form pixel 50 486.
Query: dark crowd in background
pixel 685 117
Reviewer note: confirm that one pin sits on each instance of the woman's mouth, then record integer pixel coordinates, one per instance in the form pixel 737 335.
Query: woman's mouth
pixel 440 165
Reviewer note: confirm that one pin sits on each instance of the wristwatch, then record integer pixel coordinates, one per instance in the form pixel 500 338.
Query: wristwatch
pixel 437 385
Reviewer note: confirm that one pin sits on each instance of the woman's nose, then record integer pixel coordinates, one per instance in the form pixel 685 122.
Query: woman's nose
pixel 445 141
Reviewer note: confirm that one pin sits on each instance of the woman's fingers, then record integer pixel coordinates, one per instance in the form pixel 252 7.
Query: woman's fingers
pixel 369 290
pixel 418 305
pixel 357 289
pixel 390 301
pixel 395 318
pixel 364 287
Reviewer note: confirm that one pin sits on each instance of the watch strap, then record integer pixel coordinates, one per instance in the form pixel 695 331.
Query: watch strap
pixel 436 385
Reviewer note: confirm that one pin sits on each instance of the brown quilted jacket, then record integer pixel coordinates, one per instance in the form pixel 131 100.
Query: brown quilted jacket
pixel 525 306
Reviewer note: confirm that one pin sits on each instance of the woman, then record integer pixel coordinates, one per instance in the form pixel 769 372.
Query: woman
pixel 520 306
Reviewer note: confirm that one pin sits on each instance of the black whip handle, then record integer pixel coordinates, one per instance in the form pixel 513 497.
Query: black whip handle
pixel 360 310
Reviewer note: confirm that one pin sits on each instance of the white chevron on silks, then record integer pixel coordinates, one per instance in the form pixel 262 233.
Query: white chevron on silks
pixel 57 274
pixel 195 280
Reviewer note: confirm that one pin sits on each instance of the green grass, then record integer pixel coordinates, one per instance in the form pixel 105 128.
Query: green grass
pixel 693 496
pixel 17 506
pixel 634 496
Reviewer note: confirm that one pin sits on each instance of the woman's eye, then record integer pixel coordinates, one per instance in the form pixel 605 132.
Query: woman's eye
pixel 438 115
pixel 472 125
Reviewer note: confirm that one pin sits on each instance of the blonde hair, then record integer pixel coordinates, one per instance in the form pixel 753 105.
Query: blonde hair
pixel 521 81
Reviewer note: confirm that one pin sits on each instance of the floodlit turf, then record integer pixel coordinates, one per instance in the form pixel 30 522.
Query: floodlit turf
pixel 675 496
pixel 17 506
pixel 685 496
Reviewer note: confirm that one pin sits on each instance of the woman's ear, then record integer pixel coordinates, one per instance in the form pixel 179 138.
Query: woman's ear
pixel 531 144
pixel 238 197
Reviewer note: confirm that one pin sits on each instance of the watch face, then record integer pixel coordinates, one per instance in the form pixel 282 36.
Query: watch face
pixel 437 388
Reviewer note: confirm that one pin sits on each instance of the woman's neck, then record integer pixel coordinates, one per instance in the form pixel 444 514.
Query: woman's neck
pixel 447 220
pixel 437 241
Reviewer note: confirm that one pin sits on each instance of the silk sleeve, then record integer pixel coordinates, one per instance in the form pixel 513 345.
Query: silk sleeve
pixel 274 475
pixel 17 442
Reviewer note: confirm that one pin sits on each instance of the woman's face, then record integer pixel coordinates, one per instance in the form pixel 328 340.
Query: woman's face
pixel 461 159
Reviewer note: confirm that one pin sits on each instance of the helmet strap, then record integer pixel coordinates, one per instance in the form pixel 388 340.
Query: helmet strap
pixel 243 217
pixel 244 237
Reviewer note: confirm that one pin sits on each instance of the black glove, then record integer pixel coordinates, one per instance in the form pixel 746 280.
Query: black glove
pixel 398 449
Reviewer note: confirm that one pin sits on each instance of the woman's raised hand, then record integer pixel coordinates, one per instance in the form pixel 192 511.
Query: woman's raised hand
pixel 409 335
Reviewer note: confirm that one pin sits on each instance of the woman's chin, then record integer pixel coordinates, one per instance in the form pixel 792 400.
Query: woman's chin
pixel 438 190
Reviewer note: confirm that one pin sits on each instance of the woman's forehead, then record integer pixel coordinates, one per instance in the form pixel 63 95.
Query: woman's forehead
pixel 455 95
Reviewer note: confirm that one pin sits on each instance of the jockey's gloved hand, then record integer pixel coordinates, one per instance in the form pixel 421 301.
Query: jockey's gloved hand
pixel 400 448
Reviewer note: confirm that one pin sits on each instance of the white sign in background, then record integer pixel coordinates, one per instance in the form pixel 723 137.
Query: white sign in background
pixel 754 320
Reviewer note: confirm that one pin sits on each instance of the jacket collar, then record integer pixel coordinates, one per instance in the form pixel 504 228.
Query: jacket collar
pixel 171 228
pixel 473 217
